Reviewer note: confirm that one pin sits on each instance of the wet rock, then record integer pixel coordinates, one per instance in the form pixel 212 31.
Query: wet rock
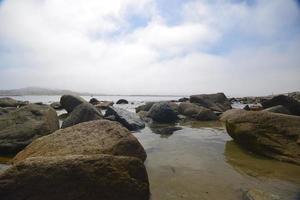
pixel 20 126
pixel 196 112
pixel 215 102
pixel 145 107
pixel 255 194
pixel 271 134
pixel 128 119
pixel 76 177
pixel 162 112
pixel 56 106
pixel 292 105
pixel 184 99
pixel 94 101
pixel 278 109
pixel 122 101
pixel 104 105
pixel 87 138
pixel 69 102
pixel 10 102
pixel 82 113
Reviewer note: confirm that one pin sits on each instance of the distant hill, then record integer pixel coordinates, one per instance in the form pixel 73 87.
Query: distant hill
pixel 37 91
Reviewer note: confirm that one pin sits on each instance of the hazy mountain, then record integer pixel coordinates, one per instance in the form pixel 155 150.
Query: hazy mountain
pixel 37 91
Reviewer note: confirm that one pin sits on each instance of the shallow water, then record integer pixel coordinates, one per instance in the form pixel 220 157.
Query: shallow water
pixel 201 162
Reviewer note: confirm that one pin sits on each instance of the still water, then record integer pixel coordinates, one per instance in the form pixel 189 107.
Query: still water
pixel 201 162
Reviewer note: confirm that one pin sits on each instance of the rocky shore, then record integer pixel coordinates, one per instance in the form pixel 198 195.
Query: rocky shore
pixel 95 149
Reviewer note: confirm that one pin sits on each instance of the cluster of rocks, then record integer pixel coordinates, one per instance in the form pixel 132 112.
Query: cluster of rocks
pixel 273 131
pixel 99 155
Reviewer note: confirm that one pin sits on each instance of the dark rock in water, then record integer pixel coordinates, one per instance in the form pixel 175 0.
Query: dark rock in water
pixel 128 119
pixel 288 102
pixel 82 113
pixel 104 105
pixel 271 134
pixel 94 101
pixel 278 109
pixel 145 107
pixel 19 127
pixel 10 102
pixel 255 194
pixel 215 102
pixel 69 102
pixel 184 99
pixel 87 138
pixel 165 130
pixel 162 112
pixel 122 101
pixel 196 112
pixel 56 106
pixel 76 177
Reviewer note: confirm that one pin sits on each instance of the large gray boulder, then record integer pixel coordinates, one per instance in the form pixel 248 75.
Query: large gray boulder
pixel 82 113
pixel 271 134
pixel 216 102
pixel 128 119
pixel 76 177
pixel 10 102
pixel 20 126
pixel 278 109
pixel 288 102
pixel 87 138
pixel 196 112
pixel 163 112
pixel 69 102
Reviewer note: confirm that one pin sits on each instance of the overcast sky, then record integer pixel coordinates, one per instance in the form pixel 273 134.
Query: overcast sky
pixel 151 46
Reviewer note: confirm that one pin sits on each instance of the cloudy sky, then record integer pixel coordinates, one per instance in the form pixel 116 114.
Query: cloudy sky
pixel 240 47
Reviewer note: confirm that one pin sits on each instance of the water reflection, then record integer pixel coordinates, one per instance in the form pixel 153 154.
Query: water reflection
pixel 164 130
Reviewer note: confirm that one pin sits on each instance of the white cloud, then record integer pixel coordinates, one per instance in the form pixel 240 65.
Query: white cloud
pixel 93 46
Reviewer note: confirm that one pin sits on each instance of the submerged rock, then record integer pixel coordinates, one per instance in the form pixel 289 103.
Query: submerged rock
pixel 163 112
pixel 20 126
pixel 145 107
pixel 128 119
pixel 278 109
pixel 292 105
pixel 69 102
pixel 122 101
pixel 82 113
pixel 271 134
pixel 10 102
pixel 255 194
pixel 216 102
pixel 88 138
pixel 196 112
pixel 56 105
pixel 77 177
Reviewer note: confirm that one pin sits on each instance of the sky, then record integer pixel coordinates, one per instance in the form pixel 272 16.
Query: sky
pixel 177 47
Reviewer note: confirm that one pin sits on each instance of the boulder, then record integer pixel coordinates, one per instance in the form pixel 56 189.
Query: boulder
pixel 76 177
pixel 255 194
pixel 122 101
pixel 128 119
pixel 82 113
pixel 145 107
pixel 144 116
pixel 196 112
pixel 69 102
pixel 215 102
pixel 292 105
pixel 104 105
pixel 87 138
pixel 94 101
pixel 295 95
pixel 20 126
pixel 183 99
pixel 271 134
pixel 56 106
pixel 163 112
pixel 10 102
pixel 278 109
